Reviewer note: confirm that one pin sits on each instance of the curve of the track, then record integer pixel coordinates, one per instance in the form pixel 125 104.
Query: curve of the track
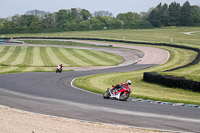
pixel 52 94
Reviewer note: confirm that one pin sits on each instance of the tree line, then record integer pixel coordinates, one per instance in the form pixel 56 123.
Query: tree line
pixel 76 19
pixel 175 15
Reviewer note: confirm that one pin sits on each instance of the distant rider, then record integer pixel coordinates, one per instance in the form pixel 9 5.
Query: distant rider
pixel 60 66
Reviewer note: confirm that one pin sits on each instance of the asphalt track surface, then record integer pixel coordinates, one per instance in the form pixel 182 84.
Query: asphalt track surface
pixel 53 94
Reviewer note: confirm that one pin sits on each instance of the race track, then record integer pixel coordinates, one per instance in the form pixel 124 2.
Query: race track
pixel 52 94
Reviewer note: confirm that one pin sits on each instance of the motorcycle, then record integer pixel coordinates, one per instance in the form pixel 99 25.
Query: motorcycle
pixel 122 93
pixel 59 69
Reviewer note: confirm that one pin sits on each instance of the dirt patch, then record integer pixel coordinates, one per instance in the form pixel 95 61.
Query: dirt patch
pixel 17 121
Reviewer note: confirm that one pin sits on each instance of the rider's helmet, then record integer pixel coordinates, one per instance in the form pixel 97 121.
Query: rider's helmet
pixel 129 82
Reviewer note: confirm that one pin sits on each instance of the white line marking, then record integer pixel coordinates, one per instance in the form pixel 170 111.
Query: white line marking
pixel 82 89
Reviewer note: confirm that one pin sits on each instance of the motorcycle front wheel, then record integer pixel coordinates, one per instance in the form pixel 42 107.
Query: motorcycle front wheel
pixel 124 96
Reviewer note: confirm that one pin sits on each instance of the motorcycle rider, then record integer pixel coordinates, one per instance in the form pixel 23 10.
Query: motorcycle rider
pixel 60 66
pixel 123 85
pixel 126 84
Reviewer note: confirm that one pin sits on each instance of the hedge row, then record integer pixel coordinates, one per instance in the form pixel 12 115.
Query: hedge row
pixel 171 81
pixel 152 77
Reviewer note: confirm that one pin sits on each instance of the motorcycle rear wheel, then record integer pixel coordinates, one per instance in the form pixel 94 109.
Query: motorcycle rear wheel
pixel 106 95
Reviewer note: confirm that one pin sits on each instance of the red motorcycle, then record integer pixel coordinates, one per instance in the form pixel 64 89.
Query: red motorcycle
pixel 59 69
pixel 119 92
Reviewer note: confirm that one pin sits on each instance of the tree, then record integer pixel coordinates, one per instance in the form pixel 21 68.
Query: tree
pixel 185 17
pixel 164 17
pixel 84 25
pixel 154 18
pixel 195 15
pixel 96 24
pixel 1 24
pixel 102 13
pixel 36 13
pixel 62 16
pixel 16 19
pixel 174 14
pixel 114 23
pixel 129 20
pixel 49 22
pixel 85 14
pixel 35 27
pixel 75 15
pixel 27 20
pixel 159 16
pixel 8 26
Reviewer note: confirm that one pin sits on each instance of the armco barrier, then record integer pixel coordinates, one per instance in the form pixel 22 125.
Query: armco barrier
pixel 169 81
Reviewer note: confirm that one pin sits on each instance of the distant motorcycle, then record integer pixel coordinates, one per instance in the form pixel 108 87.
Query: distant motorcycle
pixel 59 69
pixel 122 93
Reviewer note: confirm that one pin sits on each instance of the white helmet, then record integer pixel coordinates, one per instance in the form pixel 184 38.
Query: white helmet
pixel 129 82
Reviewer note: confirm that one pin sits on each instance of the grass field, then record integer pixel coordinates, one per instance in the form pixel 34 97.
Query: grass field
pixel 148 35
pixel 178 57
pixel 22 58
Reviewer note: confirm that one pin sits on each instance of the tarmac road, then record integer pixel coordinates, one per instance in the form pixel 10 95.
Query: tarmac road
pixel 52 94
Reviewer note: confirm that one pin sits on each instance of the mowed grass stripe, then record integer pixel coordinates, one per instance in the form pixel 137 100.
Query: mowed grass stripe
pixel 1 48
pixel 4 51
pixel 37 60
pixel 28 60
pixel 45 57
pixel 65 60
pixel 53 56
pixel 75 59
pixel 100 56
pixel 20 58
pixel 110 56
pixel 94 57
pixel 84 57
pixel 7 54
pixel 13 56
